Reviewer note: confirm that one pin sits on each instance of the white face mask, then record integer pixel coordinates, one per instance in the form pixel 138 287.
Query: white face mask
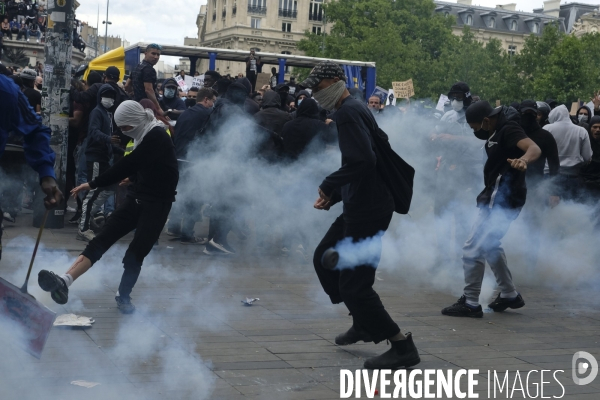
pixel 107 102
pixel 299 102
pixel 457 105
pixel 582 117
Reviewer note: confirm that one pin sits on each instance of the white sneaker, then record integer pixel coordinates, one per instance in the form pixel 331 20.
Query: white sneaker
pixel 27 40
pixel 213 247
pixel 86 236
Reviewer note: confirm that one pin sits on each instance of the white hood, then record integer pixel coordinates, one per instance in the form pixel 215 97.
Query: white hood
pixel 573 141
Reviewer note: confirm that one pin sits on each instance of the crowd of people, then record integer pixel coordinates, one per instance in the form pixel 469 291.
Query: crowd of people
pixel 133 151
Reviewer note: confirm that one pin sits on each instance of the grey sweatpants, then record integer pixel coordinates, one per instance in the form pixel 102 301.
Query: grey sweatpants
pixel 484 245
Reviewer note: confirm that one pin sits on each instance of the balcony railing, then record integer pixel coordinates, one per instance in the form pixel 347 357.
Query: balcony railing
pixel 315 16
pixel 286 13
pixel 257 9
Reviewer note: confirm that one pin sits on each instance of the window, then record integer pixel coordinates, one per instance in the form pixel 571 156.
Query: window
pixel 469 20
pixel 255 23
pixel 492 23
pixel 288 8
pixel 536 28
pixel 315 12
pixel 316 30
pixel 257 6
pixel 286 27
pixel 513 25
pixel 512 50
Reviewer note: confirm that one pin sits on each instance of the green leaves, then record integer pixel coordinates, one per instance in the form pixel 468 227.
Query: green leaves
pixel 407 39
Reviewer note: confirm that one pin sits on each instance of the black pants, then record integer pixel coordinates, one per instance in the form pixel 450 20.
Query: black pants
pixel 148 219
pixel 251 75
pixel 354 286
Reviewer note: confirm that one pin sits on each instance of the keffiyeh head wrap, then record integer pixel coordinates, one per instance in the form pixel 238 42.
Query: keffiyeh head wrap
pixel 131 113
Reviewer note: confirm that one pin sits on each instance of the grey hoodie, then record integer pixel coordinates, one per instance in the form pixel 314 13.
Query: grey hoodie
pixel 574 149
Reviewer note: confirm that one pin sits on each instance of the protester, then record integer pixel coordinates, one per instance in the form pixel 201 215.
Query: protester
pixel 590 174
pixel 172 105
pixel 253 67
pixel 543 110
pixel 6 31
pixel 154 167
pixel 20 119
pixel 186 212
pixel 271 116
pixel 211 78
pixel 574 151
pixel 584 115
pixel 142 81
pixel 509 152
pixel 375 104
pixel 28 77
pixel 367 211
pixel 99 149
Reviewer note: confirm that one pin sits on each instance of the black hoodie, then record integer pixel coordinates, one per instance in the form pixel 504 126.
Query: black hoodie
pixel 175 103
pixel 271 116
pixel 299 132
pixel 99 147
pixel 546 143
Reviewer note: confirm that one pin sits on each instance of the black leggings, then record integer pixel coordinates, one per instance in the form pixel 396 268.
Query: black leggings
pixel 148 219
pixel 354 286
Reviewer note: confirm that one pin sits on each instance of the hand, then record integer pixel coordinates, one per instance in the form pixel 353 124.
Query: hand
pixel 553 201
pixel 596 100
pixel 328 121
pixel 321 204
pixel 115 140
pixel 518 164
pixel 324 196
pixel 80 188
pixel 53 195
pixel 125 182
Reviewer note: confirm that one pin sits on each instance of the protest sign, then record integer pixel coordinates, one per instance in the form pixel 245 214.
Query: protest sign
pixel 262 79
pixel 391 100
pixel 181 83
pixel 381 93
pixel 198 81
pixel 404 89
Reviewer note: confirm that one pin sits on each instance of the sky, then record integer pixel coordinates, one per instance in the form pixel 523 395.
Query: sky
pixel 169 22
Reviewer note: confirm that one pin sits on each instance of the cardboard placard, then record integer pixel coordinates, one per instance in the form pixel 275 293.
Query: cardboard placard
pixel 404 89
pixel 198 81
pixel 574 108
pixel 498 103
pixel 262 79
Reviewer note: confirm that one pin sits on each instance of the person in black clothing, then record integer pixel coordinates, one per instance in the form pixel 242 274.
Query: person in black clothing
pixel 171 103
pixel 185 212
pixel 211 78
pixel 543 111
pixel 253 67
pixel 271 116
pixel 540 196
pixel 509 152
pixel 307 127
pixel 35 98
pixel 367 212
pixel 142 81
pixel 153 166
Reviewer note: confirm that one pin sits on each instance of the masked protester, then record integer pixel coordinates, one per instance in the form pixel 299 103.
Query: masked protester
pixel 574 149
pixel 367 212
pixel 152 167
pixel 458 166
pixel 584 115
pixel 590 173
pixel 509 152
pixel 543 110
pixel 186 212
pixel 539 196
pixel 101 143
pixel 271 116
pixel 171 103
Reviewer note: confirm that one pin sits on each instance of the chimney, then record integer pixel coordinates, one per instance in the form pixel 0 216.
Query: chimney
pixel 507 7
pixel 465 2
pixel 552 8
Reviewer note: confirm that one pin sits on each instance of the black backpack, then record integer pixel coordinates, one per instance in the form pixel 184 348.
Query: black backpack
pixel 397 174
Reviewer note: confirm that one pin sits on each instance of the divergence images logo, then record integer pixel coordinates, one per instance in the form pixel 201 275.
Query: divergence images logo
pixel 580 367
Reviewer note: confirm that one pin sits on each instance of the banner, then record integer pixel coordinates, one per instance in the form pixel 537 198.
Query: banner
pixel 381 93
pixel 181 83
pixel 404 89
pixel 198 82
pixel 391 100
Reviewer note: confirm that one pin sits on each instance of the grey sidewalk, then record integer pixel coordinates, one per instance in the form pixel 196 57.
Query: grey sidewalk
pixel 192 338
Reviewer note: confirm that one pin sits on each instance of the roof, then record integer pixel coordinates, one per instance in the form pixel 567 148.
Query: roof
pixel 240 55
pixel 572 12
pixel 481 17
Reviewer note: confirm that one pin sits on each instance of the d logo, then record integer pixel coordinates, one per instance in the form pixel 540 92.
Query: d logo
pixel 581 367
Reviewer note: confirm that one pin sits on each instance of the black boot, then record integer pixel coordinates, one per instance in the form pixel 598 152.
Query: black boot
pixel 352 336
pixel 403 353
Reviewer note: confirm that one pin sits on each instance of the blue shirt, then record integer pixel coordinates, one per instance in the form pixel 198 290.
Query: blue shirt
pixel 18 117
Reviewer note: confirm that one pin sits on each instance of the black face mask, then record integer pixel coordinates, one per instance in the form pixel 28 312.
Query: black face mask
pixel 39 86
pixel 481 133
pixel 528 120
pixel 190 103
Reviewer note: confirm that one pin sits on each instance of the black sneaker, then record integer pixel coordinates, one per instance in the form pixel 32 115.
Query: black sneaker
pixel 50 282
pixel 461 309
pixel 125 305
pixel 75 218
pixel 403 354
pixel 501 304
pixel 352 336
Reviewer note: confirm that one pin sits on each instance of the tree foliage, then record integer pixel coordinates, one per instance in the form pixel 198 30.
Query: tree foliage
pixel 408 40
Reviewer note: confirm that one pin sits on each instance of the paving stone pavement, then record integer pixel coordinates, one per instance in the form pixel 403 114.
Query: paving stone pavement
pixel 192 338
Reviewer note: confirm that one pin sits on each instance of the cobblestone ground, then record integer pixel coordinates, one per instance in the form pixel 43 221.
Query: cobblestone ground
pixel 192 338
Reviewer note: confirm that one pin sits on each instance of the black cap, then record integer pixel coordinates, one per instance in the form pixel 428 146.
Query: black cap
pixel 551 102
pixel 112 73
pixel 528 105
pixel 324 70
pixel 460 87
pixel 480 110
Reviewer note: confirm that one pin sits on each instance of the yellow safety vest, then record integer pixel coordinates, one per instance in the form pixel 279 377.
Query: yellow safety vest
pixel 129 147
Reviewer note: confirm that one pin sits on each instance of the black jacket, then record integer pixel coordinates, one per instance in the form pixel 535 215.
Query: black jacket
pixel 298 133
pixel 152 164
pixel 189 124
pixel 546 143
pixel 176 103
pixel 271 116
pixel 99 147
